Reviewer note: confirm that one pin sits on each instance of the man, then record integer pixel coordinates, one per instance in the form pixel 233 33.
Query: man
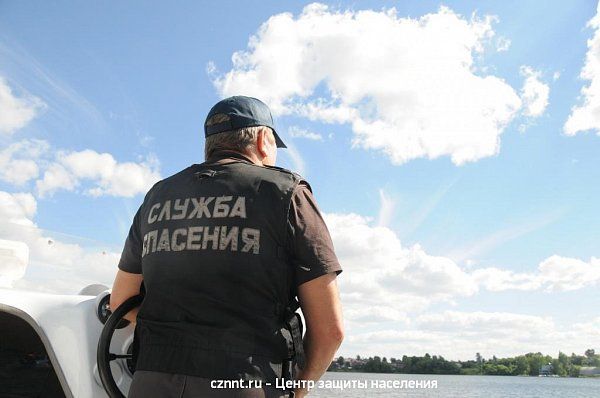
pixel 223 248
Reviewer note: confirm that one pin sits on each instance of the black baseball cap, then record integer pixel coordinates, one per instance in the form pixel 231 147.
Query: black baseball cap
pixel 237 112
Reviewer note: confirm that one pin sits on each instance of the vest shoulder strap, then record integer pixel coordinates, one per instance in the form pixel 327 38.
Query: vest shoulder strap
pixel 286 171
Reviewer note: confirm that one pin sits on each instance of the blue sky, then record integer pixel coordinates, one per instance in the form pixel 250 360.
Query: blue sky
pixel 134 81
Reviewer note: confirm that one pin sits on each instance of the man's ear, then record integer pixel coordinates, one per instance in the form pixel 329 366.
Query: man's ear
pixel 261 141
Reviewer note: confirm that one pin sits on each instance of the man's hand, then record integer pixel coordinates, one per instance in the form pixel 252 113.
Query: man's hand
pixel 125 285
pixel 320 303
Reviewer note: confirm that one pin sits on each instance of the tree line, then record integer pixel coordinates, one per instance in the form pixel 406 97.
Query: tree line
pixel 530 364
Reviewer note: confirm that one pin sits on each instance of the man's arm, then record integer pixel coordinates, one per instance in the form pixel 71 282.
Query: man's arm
pixel 129 276
pixel 316 268
pixel 125 285
pixel 320 303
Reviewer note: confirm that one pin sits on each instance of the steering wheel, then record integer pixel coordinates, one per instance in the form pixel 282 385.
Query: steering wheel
pixel 104 356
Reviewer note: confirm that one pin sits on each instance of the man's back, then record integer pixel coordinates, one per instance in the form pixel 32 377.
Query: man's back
pixel 216 274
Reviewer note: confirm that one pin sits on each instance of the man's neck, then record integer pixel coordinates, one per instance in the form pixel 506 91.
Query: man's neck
pixel 230 153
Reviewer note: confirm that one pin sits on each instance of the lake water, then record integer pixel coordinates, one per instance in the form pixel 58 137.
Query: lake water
pixel 466 387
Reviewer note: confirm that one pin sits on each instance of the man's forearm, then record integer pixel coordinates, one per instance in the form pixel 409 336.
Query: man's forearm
pixel 319 354
pixel 132 315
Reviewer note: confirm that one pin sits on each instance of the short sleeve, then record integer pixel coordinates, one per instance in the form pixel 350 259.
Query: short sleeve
pixel 131 258
pixel 311 246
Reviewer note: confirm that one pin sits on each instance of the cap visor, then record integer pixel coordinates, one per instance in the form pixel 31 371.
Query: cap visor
pixel 278 141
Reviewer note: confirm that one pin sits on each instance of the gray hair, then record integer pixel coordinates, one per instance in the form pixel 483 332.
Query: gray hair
pixel 239 140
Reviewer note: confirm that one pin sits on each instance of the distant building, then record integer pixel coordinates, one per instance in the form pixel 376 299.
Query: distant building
pixel 546 370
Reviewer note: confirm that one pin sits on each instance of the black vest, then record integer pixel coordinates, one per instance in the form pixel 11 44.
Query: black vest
pixel 217 274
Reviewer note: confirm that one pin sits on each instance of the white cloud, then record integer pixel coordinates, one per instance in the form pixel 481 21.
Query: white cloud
pixel 16 112
pixel 563 273
pixel 108 176
pixel 534 92
pixel 14 257
pixel 16 213
pixel 375 315
pixel 387 282
pixel 407 86
pixel 554 274
pixel 556 75
pixel 298 132
pixel 211 68
pixel 54 265
pixel 383 273
pixel 23 161
pixel 100 173
pixel 502 323
pixel 496 280
pixel 386 209
pixel 18 208
pixel 325 111
pixel 459 335
pixel 55 177
pixel 18 161
pixel 586 117
pixel 502 44
pixel 73 111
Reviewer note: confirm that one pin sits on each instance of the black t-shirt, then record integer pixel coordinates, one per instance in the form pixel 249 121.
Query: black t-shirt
pixel 310 246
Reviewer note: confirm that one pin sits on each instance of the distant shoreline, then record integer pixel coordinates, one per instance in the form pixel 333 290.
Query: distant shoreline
pixel 459 374
pixel 530 364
